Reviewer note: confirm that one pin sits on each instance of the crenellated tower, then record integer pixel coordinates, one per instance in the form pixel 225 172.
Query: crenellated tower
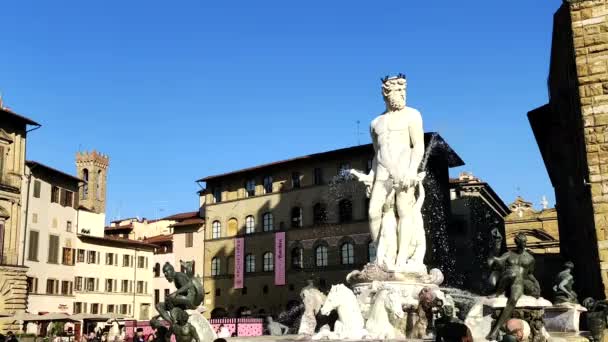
pixel 92 167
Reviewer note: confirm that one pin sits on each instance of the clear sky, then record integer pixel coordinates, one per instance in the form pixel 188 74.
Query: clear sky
pixel 177 90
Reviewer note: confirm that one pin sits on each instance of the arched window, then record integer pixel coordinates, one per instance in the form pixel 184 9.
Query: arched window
pixel 347 253
pixel 157 270
pixel 297 258
pixel 267 221
pixel 249 225
pixel 268 262
pixel 371 251
pixel 250 263
pixel 296 217
pixel 345 208
pixel 319 213
pixel 98 184
pixel 85 187
pixel 321 256
pixel 215 266
pixel 216 230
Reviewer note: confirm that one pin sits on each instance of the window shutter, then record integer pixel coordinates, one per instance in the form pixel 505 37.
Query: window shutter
pixel 33 251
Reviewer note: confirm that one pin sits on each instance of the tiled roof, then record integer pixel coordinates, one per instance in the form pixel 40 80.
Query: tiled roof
pixel 159 239
pixel 127 226
pixel 5 112
pixel 34 164
pixel 189 222
pixel 182 216
pixel 453 159
pixel 119 241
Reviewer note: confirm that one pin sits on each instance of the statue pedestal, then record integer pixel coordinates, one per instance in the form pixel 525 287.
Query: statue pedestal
pixel 563 317
pixel 480 317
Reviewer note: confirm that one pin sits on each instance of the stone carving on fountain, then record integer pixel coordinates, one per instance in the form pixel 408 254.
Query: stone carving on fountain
pixel 313 300
pixel 350 323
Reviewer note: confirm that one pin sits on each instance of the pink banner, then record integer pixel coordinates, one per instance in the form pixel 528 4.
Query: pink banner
pixel 239 252
pixel 279 258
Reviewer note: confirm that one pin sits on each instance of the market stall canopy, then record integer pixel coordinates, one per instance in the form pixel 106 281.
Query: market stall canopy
pixel 53 316
pixel 98 317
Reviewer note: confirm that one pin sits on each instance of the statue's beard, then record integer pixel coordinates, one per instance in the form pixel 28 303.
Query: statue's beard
pixel 395 103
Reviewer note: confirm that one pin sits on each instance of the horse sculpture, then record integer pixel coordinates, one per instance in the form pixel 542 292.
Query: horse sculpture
pixel 387 302
pixel 350 324
pixel 313 299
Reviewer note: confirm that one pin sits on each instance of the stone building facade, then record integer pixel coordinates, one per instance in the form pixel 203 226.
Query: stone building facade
pixel 13 288
pixel 322 214
pixel 572 134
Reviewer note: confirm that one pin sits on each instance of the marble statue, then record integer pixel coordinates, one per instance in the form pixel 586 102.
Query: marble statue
pixel 313 299
pixel 189 293
pixel 387 306
pixel 350 323
pixel 516 279
pixel 276 328
pixel 562 288
pixel 393 181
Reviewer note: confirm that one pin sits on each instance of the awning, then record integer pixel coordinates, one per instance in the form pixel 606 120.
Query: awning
pixel 98 317
pixel 53 316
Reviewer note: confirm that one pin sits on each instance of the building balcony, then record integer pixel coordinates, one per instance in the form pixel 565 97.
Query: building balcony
pixel 10 182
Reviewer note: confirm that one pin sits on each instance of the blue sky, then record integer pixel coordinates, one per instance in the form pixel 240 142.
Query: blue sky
pixel 174 91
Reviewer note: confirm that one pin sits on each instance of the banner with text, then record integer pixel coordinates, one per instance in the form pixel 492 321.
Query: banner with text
pixel 279 258
pixel 239 251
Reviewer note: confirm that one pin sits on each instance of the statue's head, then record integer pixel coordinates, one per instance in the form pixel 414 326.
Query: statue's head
pixel 569 265
pixel 169 271
pixel 447 311
pixel 393 91
pixel 269 319
pixel 521 240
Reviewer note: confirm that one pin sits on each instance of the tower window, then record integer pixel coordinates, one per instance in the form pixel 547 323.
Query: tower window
pixel 98 184
pixel 85 187
pixel 295 180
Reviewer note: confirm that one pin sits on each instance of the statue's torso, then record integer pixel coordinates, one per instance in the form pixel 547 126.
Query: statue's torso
pixel 518 265
pixel 392 132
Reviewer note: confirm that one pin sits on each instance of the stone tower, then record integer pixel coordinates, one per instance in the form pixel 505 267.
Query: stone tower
pixel 92 167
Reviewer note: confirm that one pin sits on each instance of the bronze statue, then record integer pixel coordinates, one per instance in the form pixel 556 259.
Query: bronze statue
pixel 494 268
pixel 161 333
pixel 516 279
pixel 596 318
pixel 562 287
pixel 189 293
pixel 183 331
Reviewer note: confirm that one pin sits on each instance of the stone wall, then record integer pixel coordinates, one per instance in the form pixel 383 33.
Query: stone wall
pixel 13 291
pixel 590 36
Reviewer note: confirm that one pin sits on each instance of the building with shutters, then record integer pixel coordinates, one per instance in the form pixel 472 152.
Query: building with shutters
pixel 272 227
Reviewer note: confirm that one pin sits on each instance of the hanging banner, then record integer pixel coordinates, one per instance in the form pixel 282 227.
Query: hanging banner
pixel 239 252
pixel 279 258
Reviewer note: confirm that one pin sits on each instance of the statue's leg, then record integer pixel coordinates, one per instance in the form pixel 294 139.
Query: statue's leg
pixel 376 203
pixel 517 291
pixel 405 203
pixel 163 311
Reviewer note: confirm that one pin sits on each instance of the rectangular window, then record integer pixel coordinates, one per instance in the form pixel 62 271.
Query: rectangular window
pixel 318 176
pixel 217 195
pixel 54 194
pixel 268 184
pixel 34 218
pixel 36 189
pixel 140 286
pixel 53 249
pixel 141 262
pixel 78 283
pixel 77 307
pixel 125 260
pixel 91 257
pixel 94 308
pixel 32 253
pixel 69 199
pixel 90 284
pixel 295 180
pixel 50 286
pixel 156 296
pixel 250 187
pixel 68 256
pixel 32 285
pixel 109 285
pixel 65 287
pixel 110 308
pixel 123 309
pixel 109 258
pixel 124 286
pixel 80 256
pixel 189 239
pixel 68 226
